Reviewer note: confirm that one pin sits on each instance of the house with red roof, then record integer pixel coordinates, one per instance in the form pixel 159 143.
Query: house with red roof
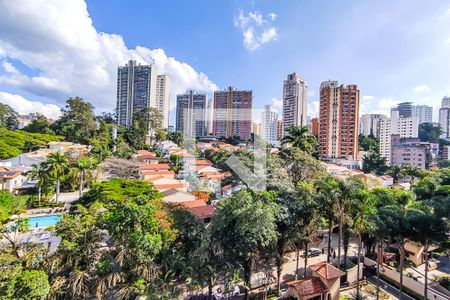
pixel 323 284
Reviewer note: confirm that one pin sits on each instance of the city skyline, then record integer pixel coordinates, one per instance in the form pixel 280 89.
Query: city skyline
pixel 88 36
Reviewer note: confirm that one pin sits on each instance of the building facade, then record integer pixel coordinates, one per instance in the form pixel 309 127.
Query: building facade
pixel 295 100
pixel 338 130
pixel 315 127
pixel 423 113
pixel 269 118
pixel 410 151
pixel 369 124
pixel 136 90
pixel 191 114
pixel 233 113
pixel 162 102
pixel 280 129
pixel 444 117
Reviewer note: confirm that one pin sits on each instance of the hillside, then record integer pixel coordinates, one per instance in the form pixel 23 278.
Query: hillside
pixel 15 142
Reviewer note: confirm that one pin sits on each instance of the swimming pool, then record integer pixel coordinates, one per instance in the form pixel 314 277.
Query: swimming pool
pixel 43 221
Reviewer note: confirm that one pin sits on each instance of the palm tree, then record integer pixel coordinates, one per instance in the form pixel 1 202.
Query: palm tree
pixel 363 206
pixel 82 169
pixel 328 193
pixel 300 137
pixel 412 172
pixel 57 167
pixel 38 173
pixel 396 172
pixel 426 229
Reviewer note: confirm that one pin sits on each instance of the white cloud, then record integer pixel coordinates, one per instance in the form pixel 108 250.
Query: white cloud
pixel 421 88
pixel 9 68
pixel 367 98
pixel 256 30
pixel 24 106
pixel 57 40
pixel 277 103
pixel 447 12
pixel 313 109
pixel 272 16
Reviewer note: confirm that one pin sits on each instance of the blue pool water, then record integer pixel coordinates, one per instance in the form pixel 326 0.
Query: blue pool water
pixel 44 221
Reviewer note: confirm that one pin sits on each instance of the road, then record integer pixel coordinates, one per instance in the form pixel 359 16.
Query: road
pixel 390 289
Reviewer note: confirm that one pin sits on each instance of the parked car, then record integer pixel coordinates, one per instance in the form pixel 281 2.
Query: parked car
pixel 313 252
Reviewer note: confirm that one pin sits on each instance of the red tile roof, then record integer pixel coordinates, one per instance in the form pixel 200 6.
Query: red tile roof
pixel 327 271
pixel 155 167
pixel 191 204
pixel 145 152
pixel 202 212
pixel 309 286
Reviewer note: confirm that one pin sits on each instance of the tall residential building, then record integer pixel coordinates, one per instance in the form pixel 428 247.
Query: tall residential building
pixel 423 113
pixel 444 117
pixel 191 117
pixel 404 127
pixel 295 101
pixel 280 129
pixel 256 128
pixel 315 127
pixel 269 118
pixel 338 131
pixel 404 109
pixel 162 98
pixel 369 124
pixel 136 90
pixel 233 113
pixel 209 116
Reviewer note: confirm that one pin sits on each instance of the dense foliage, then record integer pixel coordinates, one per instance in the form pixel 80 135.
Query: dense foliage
pixel 13 143
pixel 8 117
pixel 430 132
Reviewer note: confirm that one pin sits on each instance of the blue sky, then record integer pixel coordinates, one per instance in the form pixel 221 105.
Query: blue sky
pixel 394 50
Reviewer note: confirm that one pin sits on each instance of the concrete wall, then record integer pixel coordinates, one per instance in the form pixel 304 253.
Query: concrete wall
pixel 415 286
pixel 352 274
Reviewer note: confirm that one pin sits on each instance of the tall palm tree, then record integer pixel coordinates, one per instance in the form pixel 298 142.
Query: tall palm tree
pixel 300 137
pixel 57 166
pixel 328 194
pixel 83 170
pixel 427 229
pixel 38 173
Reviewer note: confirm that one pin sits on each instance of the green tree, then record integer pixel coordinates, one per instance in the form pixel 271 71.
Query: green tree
pixel 40 124
pixel 8 117
pixel 31 284
pixel 57 167
pixel 397 172
pixel 144 126
pixel 368 143
pixel 300 137
pixel 430 132
pixel 374 163
pixel 38 173
pixel 245 229
pixel 82 169
pixel 175 162
pixel 77 123
pixel 176 137
pixel 426 229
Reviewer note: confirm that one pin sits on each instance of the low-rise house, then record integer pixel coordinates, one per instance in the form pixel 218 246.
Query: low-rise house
pixel 11 180
pixel 323 284
pixel 175 197
pixel 415 252
pixel 151 174
pixel 67 146
pixel 163 184
pixel 204 213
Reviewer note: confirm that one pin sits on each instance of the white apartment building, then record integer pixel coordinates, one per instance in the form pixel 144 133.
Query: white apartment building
pixel 295 101
pixel 444 117
pixel 405 127
pixel 269 118
pixel 369 124
pixel 162 102
pixel 423 113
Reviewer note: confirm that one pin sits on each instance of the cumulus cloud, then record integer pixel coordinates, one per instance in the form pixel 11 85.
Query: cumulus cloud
pixel 421 88
pixel 313 108
pixel 367 98
pixel 58 42
pixel 256 30
pixel 24 106
pixel 447 12
pixel 277 103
